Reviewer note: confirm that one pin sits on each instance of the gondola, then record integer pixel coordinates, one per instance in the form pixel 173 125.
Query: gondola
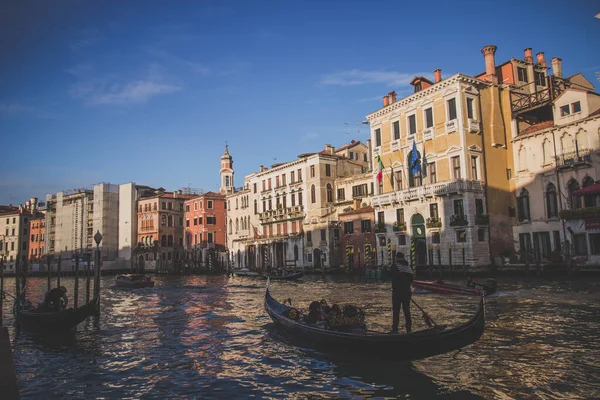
pixel 245 272
pixel 413 346
pixel 289 277
pixel 133 281
pixel 54 321
pixel 449 288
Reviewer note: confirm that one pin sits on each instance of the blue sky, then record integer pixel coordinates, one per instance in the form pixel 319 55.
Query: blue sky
pixel 150 91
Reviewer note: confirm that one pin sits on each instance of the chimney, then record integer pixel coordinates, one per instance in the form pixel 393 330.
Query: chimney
pixel 262 168
pixel 386 101
pixel 329 148
pixel 528 55
pixel 557 67
pixel 490 63
pixel 392 97
pixel 438 75
pixel 369 153
pixel 540 58
pixel 34 202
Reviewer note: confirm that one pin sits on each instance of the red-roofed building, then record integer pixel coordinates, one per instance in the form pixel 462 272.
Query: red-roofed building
pixel 161 231
pixel 205 222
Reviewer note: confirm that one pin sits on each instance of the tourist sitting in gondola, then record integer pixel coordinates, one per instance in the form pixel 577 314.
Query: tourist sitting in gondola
pixel 55 300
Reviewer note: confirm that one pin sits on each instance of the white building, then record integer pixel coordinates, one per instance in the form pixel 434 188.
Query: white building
pixel 286 215
pixel 557 165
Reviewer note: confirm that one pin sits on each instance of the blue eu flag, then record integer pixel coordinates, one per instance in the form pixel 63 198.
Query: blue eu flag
pixel 415 160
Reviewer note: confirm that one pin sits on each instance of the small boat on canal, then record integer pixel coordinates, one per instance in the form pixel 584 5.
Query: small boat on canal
pixel 488 288
pixel 52 321
pixel 411 346
pixel 245 272
pixel 288 277
pixel 133 281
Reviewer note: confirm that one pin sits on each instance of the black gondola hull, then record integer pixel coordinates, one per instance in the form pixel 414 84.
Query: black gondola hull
pixel 417 345
pixel 289 277
pixel 56 321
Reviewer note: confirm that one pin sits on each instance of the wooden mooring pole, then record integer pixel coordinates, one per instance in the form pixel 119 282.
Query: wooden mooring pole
pixel 75 301
pixel 87 284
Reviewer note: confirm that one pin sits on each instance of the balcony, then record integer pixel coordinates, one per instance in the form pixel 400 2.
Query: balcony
pixel 434 189
pixel 433 223
pixel 281 214
pixel 574 158
pixel 474 126
pixel 482 219
pixel 428 133
pixel 380 228
pixel 458 220
pixel 580 213
pixel 399 226
pixel 451 126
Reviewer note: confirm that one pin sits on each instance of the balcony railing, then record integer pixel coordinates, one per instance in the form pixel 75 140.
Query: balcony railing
pixel 482 219
pixel 428 133
pixel 574 158
pixel 458 220
pixel 380 228
pixel 399 226
pixel 451 126
pixel 434 189
pixel 433 223
pixel 281 214
pixel 474 126
pixel 580 213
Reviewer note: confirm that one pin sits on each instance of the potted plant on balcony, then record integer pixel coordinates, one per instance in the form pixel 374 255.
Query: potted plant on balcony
pixel 399 226
pixel 433 223
pixel 380 228
pixel 458 220
pixel 482 219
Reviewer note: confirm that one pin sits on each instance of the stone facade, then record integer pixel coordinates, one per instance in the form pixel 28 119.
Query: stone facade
pixel 289 213
pixel 557 166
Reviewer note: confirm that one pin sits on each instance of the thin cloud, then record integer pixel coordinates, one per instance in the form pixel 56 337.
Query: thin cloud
pixel 309 136
pixel 360 77
pixel 110 89
pixel 132 92
pixel 86 38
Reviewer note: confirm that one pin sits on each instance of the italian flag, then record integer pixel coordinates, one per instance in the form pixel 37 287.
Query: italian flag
pixel 381 167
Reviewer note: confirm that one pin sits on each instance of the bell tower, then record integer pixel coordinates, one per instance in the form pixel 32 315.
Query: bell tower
pixel 226 172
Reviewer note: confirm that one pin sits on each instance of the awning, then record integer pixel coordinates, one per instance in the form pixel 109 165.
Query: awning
pixel 592 189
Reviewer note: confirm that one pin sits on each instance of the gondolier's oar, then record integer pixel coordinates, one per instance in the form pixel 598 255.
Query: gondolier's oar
pixel 428 320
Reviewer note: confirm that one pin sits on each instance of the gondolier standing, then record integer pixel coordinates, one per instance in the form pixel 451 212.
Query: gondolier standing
pixel 402 277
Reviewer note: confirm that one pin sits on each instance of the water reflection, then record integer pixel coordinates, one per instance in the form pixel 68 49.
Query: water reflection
pixel 209 337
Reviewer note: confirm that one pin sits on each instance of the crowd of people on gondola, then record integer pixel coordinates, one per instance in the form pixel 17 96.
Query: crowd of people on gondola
pixel 348 317
pixel 55 300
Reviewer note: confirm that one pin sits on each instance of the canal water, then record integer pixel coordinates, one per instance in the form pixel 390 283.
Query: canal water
pixel 209 337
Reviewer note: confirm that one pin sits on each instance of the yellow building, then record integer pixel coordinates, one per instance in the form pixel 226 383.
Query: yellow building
pixel 446 158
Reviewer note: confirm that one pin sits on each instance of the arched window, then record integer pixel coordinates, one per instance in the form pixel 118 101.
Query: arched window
pixel 230 226
pixel 295 252
pixel 414 169
pixel 236 204
pixel 523 206
pixel 581 141
pixel 170 220
pixel 522 158
pixel 551 201
pixel 589 200
pixel 255 206
pixel 170 243
pixel 574 199
pixel 163 241
pixel 566 142
pixel 329 193
pixel 237 225
pixel 313 194
pixel 163 220
pixel 547 152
